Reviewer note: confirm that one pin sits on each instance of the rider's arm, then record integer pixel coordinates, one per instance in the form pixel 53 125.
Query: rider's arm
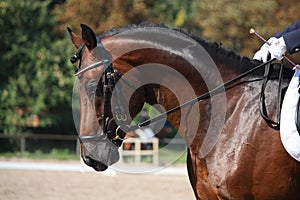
pixel 291 36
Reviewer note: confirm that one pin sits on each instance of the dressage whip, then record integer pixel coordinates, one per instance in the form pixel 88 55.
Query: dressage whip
pixel 252 31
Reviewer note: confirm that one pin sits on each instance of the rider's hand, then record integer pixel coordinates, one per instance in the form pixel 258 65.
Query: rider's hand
pixel 263 53
pixel 277 48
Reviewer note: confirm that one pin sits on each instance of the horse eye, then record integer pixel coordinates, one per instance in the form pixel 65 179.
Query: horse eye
pixel 73 59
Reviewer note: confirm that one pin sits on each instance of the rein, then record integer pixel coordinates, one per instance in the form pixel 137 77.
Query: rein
pixel 206 95
pixel 109 79
pixel 262 108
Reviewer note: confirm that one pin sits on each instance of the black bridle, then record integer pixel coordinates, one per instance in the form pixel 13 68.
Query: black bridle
pixel 111 76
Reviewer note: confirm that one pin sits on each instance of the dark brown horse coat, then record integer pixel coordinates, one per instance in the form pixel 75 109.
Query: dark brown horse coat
pixel 247 162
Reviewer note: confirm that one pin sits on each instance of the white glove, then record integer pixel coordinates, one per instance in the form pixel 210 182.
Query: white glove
pixel 277 48
pixel 262 54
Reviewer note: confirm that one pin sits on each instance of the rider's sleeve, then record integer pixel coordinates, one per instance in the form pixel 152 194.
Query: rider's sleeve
pixel 291 37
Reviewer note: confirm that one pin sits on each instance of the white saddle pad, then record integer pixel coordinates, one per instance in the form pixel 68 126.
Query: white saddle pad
pixel 288 131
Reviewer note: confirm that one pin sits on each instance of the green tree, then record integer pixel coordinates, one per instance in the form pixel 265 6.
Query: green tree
pixel 36 83
pixel 229 22
pixel 102 15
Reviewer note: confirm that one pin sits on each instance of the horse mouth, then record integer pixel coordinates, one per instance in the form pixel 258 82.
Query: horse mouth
pixel 96 165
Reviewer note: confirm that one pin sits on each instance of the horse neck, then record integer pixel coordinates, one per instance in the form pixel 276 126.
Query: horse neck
pixel 165 89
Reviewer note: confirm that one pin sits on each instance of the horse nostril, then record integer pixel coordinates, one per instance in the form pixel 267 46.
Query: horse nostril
pixel 87 160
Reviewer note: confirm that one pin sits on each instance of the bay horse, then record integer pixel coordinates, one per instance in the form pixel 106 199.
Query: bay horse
pixel 122 69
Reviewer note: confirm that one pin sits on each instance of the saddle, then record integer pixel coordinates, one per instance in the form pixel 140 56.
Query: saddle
pixel 298 114
pixel 289 121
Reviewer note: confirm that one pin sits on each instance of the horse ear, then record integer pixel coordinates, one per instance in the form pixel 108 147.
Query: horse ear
pixel 76 40
pixel 89 37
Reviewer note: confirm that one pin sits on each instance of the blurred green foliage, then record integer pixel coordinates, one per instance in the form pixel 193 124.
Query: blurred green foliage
pixel 56 154
pixel 35 73
pixel 36 80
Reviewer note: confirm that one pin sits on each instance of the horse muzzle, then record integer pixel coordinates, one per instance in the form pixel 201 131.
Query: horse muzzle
pixel 99 153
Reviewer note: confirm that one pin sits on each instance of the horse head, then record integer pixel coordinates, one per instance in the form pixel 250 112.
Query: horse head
pixel 103 120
